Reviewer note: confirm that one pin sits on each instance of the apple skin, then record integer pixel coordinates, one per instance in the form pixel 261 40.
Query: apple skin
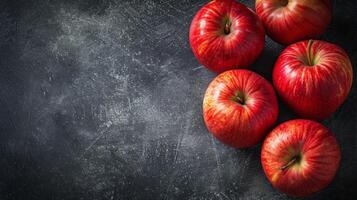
pixel 239 108
pixel 312 148
pixel 289 21
pixel 225 35
pixel 313 89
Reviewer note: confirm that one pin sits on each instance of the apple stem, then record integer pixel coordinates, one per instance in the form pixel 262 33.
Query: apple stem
pixel 309 53
pixel 239 98
pixel 227 28
pixel 284 2
pixel 292 161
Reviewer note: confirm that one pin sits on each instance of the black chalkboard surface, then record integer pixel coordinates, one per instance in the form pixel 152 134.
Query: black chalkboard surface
pixel 102 99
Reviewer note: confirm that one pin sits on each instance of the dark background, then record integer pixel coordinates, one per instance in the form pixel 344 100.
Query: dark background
pixel 102 100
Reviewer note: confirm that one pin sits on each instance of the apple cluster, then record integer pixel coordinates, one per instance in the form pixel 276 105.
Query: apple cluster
pixel 313 77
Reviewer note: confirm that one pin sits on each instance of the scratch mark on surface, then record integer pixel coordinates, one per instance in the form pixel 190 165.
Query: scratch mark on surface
pixel 224 195
pixel 182 135
pixel 95 141
pixel 215 151
pixel 170 184
pixel 129 103
pixel 197 68
pixel 174 7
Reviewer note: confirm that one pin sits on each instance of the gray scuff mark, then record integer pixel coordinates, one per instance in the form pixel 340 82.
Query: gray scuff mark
pixel 185 132
pixel 94 142
pixel 186 129
pixel 129 103
pixel 216 154
pixel 197 68
pixel 226 197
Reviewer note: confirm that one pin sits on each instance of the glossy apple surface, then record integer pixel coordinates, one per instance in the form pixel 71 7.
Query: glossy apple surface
pixel 289 21
pixel 313 78
pixel 300 157
pixel 239 108
pixel 225 35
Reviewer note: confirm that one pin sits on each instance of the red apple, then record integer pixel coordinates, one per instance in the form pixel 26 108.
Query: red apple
pixel 225 35
pixel 289 21
pixel 300 157
pixel 239 108
pixel 313 78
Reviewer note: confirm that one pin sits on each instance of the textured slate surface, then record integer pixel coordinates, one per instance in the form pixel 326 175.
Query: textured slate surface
pixel 102 100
